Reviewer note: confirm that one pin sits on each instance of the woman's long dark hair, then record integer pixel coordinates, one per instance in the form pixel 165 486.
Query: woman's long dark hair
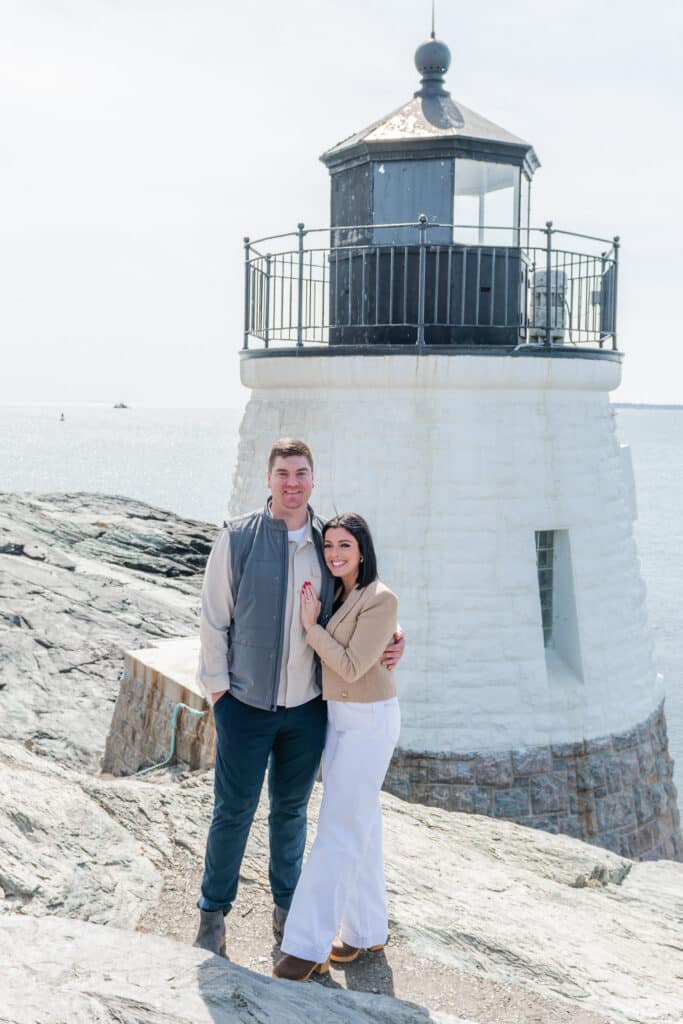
pixel 358 528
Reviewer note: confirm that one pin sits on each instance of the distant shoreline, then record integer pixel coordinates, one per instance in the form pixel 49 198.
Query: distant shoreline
pixel 643 405
pixel 238 408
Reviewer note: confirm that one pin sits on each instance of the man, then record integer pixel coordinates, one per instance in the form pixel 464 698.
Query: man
pixel 264 682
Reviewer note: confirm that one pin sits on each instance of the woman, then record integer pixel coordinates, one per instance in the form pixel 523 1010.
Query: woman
pixel 342 884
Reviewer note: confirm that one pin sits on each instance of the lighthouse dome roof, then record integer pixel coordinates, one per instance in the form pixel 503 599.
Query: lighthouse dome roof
pixel 432 119
pixel 424 120
pixel 432 56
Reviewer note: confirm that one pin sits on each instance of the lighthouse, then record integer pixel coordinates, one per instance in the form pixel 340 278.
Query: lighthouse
pixel 450 364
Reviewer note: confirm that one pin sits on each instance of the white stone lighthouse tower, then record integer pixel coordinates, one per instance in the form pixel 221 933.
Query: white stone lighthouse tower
pixel 450 367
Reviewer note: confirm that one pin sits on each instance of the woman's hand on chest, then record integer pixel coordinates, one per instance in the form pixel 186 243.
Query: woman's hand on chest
pixel 310 606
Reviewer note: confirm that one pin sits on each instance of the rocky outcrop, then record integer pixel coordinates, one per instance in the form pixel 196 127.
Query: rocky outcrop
pixel 68 851
pixel 68 972
pixel 60 529
pixel 548 917
pixel 82 578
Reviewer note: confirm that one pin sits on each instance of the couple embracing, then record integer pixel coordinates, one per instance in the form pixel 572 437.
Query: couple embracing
pixel 298 641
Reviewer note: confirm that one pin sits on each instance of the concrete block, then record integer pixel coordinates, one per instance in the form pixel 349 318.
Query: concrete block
pixel 591 772
pixel 624 740
pixel 646 759
pixel 616 811
pixel 610 840
pixel 472 799
pixel 512 803
pixel 643 803
pixel 613 778
pixel 567 750
pixel 658 797
pixel 546 824
pixel 549 793
pixel 572 825
pixel 630 768
pixel 494 769
pixel 664 766
pixel 531 761
pixel 456 770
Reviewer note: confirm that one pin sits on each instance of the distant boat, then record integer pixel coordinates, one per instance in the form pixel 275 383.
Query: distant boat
pixel 120 405
pixel 61 417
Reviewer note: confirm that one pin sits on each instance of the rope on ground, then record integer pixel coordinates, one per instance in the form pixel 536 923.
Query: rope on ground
pixel 174 728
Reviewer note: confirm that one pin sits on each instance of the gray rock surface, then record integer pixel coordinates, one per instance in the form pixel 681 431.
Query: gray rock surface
pixel 565 921
pixel 69 972
pixel 63 850
pixel 83 577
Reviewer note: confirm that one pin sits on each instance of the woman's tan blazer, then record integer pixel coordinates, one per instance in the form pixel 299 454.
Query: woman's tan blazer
pixel 351 646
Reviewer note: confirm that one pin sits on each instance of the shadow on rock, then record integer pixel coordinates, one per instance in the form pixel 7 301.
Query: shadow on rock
pixel 233 994
pixel 371 972
pixel 215 988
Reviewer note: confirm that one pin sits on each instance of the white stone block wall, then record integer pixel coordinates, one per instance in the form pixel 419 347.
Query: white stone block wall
pixel 456 461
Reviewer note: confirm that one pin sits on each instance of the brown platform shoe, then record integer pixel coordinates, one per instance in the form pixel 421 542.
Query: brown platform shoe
pixel 343 954
pixel 293 968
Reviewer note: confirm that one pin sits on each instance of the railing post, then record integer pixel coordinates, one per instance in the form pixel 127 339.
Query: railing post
pixel 614 292
pixel 603 271
pixel 247 311
pixel 266 325
pixel 422 273
pixel 300 291
pixel 548 280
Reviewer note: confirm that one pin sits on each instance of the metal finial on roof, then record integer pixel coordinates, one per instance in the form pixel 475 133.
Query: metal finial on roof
pixel 432 60
pixel 433 34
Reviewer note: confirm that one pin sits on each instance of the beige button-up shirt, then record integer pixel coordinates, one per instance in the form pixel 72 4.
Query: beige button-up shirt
pixel 297 672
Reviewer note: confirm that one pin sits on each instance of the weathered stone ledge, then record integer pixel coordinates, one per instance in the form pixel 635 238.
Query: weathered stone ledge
pixel 154 682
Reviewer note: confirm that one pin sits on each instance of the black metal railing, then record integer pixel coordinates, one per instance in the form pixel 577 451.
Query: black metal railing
pixel 365 287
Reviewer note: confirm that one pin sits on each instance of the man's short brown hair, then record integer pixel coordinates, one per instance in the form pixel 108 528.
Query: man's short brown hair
pixel 285 448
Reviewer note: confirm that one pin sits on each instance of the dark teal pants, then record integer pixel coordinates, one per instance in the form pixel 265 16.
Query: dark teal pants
pixel 289 743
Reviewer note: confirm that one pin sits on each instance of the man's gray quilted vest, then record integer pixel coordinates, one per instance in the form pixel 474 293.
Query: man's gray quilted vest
pixel 259 557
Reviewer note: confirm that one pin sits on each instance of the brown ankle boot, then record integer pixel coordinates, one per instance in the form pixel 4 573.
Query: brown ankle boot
pixel 293 968
pixel 344 954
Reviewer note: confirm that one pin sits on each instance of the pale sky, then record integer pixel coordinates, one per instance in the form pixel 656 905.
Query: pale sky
pixel 142 139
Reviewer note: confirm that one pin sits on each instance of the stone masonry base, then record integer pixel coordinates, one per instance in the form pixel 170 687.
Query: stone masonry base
pixel 615 791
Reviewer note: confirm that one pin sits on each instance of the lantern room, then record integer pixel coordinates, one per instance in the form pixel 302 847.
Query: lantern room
pixel 437 158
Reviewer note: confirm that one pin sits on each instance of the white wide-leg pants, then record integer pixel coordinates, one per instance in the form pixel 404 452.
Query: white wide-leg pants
pixel 342 883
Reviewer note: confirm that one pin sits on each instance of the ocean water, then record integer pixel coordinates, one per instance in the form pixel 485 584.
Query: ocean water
pixel 656 440
pixel 182 460
pixel 177 459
